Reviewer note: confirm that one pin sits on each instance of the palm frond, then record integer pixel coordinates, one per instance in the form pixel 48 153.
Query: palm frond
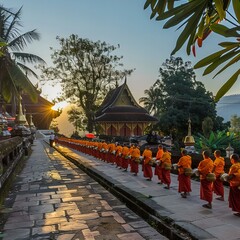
pixel 28 58
pixel 20 42
pixel 21 81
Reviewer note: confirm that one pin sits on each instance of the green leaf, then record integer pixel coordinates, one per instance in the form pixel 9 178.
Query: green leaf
pixel 223 30
pixel 224 89
pixel 219 8
pixel 234 60
pixel 182 15
pixel 209 59
pixel 147 3
pixel 228 44
pixel 219 61
pixel 172 12
pixel 236 8
pixel 192 24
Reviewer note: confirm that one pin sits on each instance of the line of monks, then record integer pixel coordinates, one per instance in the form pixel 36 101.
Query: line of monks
pixel 211 172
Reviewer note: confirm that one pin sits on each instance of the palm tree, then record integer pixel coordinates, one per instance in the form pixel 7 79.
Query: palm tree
pixel 152 100
pixel 13 71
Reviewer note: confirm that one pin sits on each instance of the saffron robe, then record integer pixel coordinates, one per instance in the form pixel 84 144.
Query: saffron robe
pixel 158 168
pixel 219 164
pixel 206 187
pixel 184 182
pixel 166 159
pixel 135 155
pixel 147 169
pixel 234 193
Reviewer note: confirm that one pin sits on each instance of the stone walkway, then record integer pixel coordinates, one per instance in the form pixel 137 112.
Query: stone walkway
pixel 188 214
pixel 54 199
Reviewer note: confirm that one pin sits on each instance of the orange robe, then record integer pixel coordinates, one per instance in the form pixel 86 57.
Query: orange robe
pixel 234 193
pixel 134 165
pixel 219 164
pixel 158 169
pixel 166 159
pixel 125 152
pixel 206 191
pixel 147 169
pixel 118 158
pixel 184 182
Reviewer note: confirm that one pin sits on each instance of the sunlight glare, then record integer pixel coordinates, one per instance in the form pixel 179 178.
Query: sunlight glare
pixel 59 106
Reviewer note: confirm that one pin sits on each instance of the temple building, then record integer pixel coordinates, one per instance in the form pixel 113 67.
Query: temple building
pixel 120 114
pixel 40 114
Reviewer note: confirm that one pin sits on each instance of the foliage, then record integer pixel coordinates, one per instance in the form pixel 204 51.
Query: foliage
pixel 87 70
pixel 77 118
pixel 13 71
pixel 207 126
pixel 181 97
pixel 216 140
pixel 199 18
pixel 54 126
pixel 152 101
pixel 235 124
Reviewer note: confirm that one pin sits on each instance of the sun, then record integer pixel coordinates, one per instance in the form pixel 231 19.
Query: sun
pixel 59 106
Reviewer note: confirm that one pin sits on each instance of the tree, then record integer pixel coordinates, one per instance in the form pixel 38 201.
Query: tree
pixel 13 71
pixel 235 124
pixel 87 70
pixel 152 100
pixel 181 97
pixel 199 18
pixel 77 118
pixel 207 126
pixel 54 126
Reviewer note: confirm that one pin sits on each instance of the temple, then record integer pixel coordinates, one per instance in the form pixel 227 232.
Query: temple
pixel 120 114
pixel 40 113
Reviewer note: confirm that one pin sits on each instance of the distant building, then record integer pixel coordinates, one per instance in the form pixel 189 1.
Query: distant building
pixel 120 114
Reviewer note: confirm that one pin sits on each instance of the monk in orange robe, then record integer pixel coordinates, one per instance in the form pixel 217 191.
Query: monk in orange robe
pixel 158 168
pixel 218 169
pixel 118 156
pixel 124 162
pixel 206 187
pixel 184 181
pixel 135 155
pixel 147 169
pixel 234 180
pixel 166 160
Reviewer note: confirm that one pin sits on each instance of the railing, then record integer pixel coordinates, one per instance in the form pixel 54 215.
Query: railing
pixel 11 151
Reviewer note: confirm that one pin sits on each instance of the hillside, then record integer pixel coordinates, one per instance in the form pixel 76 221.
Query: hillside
pixel 229 106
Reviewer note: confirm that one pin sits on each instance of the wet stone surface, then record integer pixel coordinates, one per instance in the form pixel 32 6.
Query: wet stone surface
pixel 53 199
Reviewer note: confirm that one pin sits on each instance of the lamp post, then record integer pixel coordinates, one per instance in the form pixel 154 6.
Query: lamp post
pixel 229 151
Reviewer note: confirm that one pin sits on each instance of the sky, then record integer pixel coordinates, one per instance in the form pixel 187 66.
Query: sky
pixel 144 45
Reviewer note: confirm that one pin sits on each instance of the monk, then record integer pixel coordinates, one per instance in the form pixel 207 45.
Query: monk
pixel 184 181
pixel 166 161
pixel 135 155
pixel 158 169
pixel 234 180
pixel 147 169
pixel 218 169
pixel 124 162
pixel 118 156
pixel 206 187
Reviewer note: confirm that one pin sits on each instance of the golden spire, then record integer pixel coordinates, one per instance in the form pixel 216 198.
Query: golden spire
pixel 20 119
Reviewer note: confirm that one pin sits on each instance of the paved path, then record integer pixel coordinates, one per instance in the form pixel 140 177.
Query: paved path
pixel 54 199
pixel 217 223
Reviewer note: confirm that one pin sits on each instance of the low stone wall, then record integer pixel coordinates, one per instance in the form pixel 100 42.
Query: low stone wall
pixel 11 151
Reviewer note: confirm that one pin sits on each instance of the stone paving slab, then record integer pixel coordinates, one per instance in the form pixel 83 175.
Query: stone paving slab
pixel 217 223
pixel 53 199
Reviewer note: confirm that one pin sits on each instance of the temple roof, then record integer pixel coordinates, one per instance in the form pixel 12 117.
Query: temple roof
pixel 120 106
